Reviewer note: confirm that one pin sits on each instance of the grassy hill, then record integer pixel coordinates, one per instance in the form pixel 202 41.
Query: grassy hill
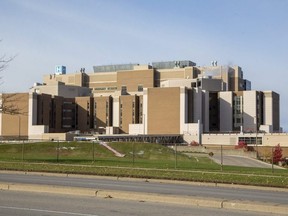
pixel 145 155
pixel 143 160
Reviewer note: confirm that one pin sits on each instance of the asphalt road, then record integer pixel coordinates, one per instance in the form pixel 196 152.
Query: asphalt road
pixel 14 203
pixel 235 160
pixel 164 188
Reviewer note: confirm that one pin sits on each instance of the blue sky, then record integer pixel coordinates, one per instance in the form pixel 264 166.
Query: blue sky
pixel 81 33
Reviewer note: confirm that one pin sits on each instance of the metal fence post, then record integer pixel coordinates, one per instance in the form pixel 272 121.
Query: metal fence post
pixel 58 150
pixel 175 155
pixel 133 153
pixel 93 151
pixel 272 161
pixel 221 158
pixel 23 151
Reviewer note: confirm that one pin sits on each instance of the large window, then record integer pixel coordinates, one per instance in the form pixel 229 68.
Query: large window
pixel 100 88
pixel 251 140
pixel 140 88
pixel 112 88
pixel 124 90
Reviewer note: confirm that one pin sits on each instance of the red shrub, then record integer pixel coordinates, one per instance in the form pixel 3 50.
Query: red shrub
pixel 241 145
pixel 277 154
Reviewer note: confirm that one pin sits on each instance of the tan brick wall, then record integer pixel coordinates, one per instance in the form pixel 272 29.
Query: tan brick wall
pixel 77 79
pixel 163 111
pixel 276 112
pixel 128 112
pixel 84 110
pixel 131 79
pixel 43 109
pixel 107 81
pixel 57 115
pixel 12 125
pixel 103 77
pixel 167 74
pixel 103 112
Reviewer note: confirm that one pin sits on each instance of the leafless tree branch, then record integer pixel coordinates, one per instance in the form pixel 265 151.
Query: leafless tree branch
pixel 7 101
pixel 4 61
pixel 8 104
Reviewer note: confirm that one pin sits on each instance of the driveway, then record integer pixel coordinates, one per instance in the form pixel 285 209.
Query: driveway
pixel 235 160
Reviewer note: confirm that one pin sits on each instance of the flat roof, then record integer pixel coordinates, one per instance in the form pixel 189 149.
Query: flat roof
pixel 113 68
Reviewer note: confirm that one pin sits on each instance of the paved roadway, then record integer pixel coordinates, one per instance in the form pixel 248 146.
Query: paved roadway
pixel 14 203
pixel 235 160
pixel 163 188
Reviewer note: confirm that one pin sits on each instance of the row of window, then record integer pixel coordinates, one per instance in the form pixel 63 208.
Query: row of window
pixel 251 140
pixel 114 88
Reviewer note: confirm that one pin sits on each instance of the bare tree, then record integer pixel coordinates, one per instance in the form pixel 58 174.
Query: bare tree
pixel 8 104
pixel 4 62
pixel 7 101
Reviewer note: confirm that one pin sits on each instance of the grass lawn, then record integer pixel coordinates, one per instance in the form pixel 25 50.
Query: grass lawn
pixel 143 160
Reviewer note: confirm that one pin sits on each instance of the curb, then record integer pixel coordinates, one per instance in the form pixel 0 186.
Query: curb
pixel 150 197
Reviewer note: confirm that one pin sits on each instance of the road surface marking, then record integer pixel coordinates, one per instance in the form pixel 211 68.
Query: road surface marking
pixel 46 211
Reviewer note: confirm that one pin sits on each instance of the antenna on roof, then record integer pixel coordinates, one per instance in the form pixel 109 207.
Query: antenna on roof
pixel 214 63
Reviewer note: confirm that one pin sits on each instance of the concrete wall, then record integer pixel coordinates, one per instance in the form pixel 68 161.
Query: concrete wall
pixel 237 79
pixel 60 89
pixel 72 91
pixel 193 132
pixel 205 108
pixel 116 110
pixel 183 115
pixel 32 113
pixel 135 129
pixel 145 110
pixel 69 79
pixel 226 111
pixel 211 84
pixel 249 110
pixel 58 136
pixel 268 139
pixel 112 130
pixel 274 139
pixel 36 131
pixel 177 83
pixel 271 110
pixel 219 139
pixel 197 105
